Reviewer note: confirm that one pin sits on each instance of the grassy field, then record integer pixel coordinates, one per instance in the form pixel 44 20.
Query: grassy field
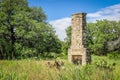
pixel 101 69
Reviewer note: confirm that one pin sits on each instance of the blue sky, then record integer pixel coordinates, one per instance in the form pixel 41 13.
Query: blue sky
pixel 59 11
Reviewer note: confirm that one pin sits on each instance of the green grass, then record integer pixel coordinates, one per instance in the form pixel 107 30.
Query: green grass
pixel 38 70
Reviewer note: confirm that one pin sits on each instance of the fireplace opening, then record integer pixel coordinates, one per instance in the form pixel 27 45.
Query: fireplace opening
pixel 77 59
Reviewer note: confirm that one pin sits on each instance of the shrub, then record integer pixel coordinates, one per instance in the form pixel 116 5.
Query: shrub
pixel 103 64
pixel 114 55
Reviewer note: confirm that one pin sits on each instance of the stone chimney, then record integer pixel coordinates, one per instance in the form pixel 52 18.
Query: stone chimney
pixel 78 52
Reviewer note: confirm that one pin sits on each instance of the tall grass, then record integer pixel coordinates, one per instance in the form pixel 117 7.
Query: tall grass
pixel 38 70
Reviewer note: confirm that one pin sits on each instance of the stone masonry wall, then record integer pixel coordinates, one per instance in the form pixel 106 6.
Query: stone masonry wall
pixel 78 51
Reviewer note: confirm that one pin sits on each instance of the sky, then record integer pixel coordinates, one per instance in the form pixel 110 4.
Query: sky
pixel 59 11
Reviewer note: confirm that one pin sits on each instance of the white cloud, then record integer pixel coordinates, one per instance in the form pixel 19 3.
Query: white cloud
pixel 60 25
pixel 110 13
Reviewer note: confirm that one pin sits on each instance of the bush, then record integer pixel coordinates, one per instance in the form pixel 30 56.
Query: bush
pixel 104 64
pixel 114 55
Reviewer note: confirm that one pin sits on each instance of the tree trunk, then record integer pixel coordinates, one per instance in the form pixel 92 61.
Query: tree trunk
pixel 12 42
pixel 12 33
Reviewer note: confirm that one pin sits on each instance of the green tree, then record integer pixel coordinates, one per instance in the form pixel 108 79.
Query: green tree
pixel 67 42
pixel 102 37
pixel 8 11
pixel 38 14
pixel 100 33
pixel 24 32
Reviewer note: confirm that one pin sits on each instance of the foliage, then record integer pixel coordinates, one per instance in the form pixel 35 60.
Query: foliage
pixel 100 33
pixel 114 55
pixel 24 32
pixel 103 64
pixel 67 42
pixel 102 36
pixel 39 70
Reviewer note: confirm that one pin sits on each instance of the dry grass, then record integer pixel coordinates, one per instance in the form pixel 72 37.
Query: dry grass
pixel 39 70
